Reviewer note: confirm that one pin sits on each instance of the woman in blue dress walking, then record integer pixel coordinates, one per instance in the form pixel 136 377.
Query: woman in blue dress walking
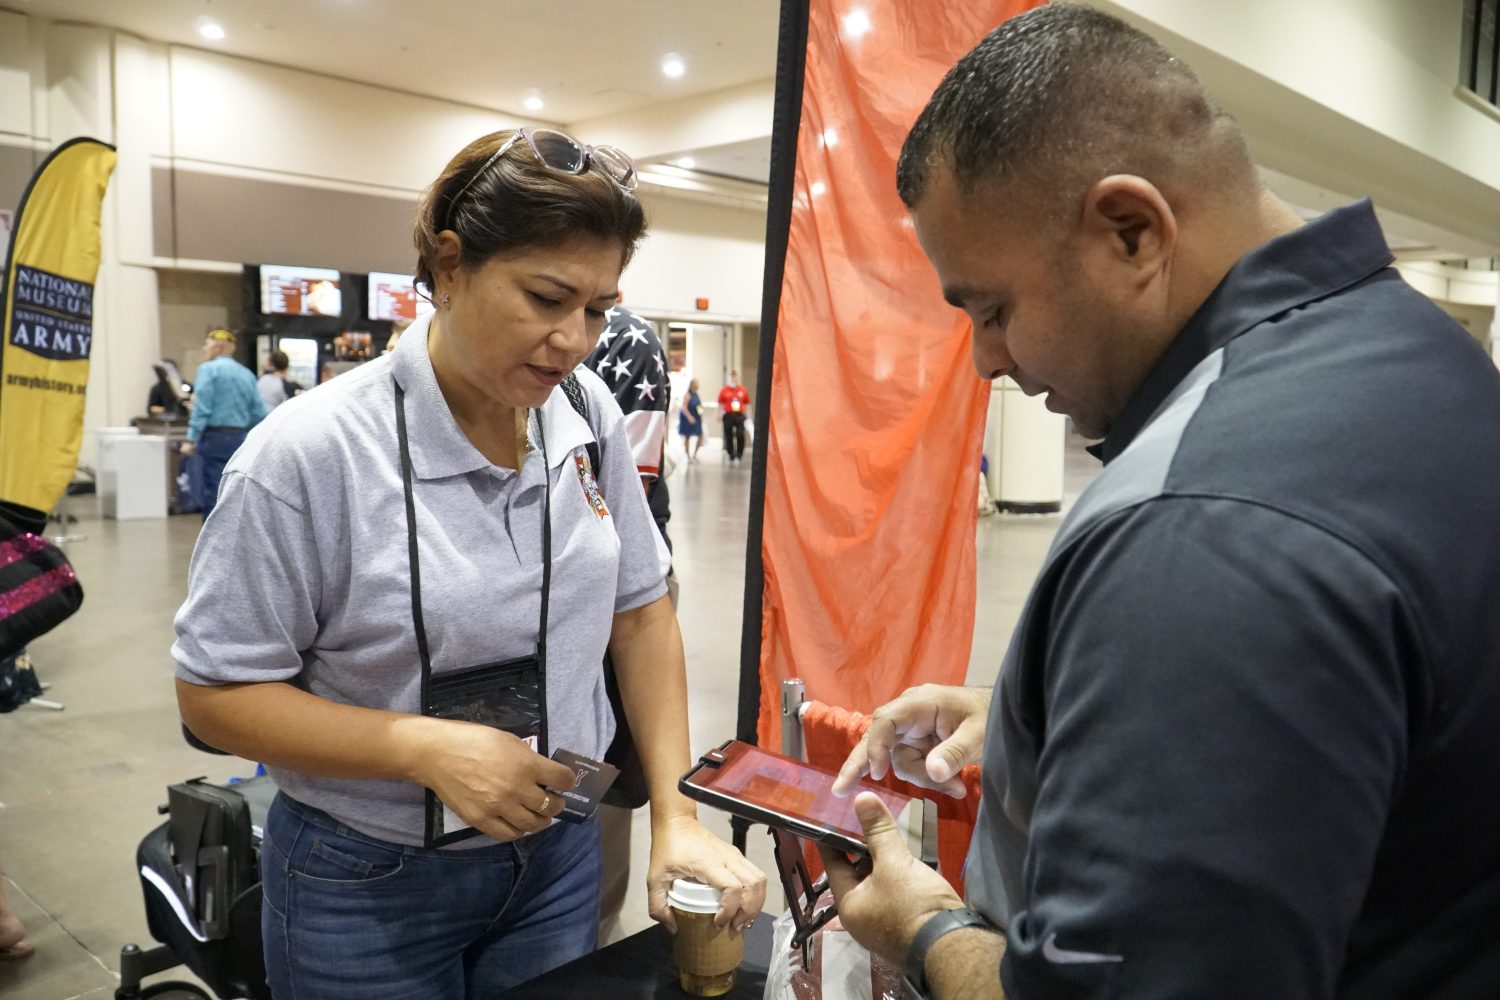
pixel 690 422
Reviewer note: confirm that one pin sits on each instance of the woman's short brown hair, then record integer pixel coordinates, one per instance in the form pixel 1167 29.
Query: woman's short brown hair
pixel 517 204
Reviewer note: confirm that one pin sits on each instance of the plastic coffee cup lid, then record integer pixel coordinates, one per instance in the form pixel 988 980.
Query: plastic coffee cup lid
pixel 693 897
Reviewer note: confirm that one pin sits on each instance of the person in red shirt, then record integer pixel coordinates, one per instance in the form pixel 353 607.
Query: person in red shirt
pixel 734 404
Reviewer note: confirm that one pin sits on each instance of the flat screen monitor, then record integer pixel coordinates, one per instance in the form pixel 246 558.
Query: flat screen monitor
pixel 302 359
pixel 394 296
pixel 299 291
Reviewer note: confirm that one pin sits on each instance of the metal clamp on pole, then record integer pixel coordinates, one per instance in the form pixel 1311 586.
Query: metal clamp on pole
pixel 793 695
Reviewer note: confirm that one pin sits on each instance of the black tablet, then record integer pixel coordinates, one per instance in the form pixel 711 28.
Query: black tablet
pixel 768 788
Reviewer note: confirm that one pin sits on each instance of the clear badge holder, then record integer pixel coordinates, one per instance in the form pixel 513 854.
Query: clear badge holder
pixel 505 695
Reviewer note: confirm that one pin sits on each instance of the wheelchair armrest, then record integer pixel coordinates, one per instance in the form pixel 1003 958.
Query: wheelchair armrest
pixel 197 744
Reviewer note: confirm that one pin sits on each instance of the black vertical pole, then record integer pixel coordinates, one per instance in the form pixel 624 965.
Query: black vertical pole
pixel 1473 79
pixel 1494 48
pixel 791 63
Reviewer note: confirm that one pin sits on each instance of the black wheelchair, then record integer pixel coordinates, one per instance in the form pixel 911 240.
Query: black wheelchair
pixel 200 875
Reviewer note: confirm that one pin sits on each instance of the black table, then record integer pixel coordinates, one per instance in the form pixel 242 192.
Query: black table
pixel 640 967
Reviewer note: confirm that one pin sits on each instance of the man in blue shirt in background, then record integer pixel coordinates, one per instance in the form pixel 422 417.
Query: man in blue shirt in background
pixel 226 404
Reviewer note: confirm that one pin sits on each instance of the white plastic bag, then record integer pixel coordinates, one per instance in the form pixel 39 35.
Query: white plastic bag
pixel 839 967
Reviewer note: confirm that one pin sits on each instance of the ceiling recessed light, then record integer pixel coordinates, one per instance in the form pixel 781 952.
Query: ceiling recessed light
pixel 211 30
pixel 672 65
pixel 818 187
pixel 830 137
pixel 533 102
pixel 857 23
pixel 686 162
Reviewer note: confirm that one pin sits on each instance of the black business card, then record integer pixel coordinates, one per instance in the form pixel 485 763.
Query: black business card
pixel 594 778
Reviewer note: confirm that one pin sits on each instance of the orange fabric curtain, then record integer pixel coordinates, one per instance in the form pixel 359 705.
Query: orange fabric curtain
pixel 876 415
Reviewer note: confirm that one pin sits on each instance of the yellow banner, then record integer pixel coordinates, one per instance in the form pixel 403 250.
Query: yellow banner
pixel 49 322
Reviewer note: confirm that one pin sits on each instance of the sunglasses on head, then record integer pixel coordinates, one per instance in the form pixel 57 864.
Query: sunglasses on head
pixel 561 152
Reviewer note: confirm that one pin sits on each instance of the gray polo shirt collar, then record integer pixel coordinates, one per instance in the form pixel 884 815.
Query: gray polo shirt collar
pixel 1328 255
pixel 439 448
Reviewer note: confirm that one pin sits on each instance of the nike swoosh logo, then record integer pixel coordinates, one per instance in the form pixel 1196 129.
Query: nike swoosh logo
pixel 1062 956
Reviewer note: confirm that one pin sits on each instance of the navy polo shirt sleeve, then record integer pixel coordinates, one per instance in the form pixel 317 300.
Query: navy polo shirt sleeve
pixel 1225 731
pixel 253 590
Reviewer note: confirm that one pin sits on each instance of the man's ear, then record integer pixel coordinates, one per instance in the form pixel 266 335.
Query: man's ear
pixel 446 261
pixel 1134 220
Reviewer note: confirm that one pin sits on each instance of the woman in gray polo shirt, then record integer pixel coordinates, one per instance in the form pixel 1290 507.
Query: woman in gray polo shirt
pixel 406 591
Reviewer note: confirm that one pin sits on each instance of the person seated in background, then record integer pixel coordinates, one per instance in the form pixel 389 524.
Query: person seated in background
pixel 168 398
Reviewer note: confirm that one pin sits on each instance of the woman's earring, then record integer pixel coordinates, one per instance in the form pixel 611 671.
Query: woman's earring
pixel 443 299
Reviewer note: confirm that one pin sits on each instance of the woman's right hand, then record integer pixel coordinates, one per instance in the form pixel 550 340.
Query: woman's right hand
pixel 491 779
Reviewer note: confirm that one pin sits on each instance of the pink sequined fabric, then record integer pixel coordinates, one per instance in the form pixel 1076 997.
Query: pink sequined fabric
pixel 25 595
pixel 19 547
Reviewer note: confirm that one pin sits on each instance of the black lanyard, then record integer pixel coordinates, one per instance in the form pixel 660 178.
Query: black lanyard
pixel 423 650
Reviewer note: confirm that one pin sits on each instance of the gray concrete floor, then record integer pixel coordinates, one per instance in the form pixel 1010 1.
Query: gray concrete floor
pixel 79 788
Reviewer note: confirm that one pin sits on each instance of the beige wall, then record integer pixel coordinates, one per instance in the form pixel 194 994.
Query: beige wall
pixel 21 61
pixel 1476 319
pixel 236 112
pixel 1358 96
pixel 191 303
pixel 238 219
pixel 698 250
pixel 750 358
pixel 284 166
pixel 16 166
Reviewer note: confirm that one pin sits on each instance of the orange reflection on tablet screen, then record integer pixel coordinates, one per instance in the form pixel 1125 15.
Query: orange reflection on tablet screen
pixel 798 789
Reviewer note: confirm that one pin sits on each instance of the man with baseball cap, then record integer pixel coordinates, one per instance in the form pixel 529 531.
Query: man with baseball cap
pixel 226 404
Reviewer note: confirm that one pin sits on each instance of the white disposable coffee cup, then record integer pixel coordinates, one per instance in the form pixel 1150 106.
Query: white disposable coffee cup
pixel 693 897
pixel 707 955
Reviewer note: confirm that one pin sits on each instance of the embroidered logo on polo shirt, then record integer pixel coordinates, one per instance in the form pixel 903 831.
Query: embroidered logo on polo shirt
pixel 590 486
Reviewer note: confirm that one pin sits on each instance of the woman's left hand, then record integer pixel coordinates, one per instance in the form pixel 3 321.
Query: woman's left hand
pixel 683 848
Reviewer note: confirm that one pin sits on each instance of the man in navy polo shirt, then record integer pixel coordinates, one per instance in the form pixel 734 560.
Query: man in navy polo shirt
pixel 1246 739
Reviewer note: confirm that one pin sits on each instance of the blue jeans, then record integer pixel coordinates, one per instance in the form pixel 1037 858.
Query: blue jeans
pixel 348 916
pixel 216 446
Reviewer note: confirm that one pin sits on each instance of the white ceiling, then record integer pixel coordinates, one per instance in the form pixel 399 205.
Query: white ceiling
pixel 586 58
